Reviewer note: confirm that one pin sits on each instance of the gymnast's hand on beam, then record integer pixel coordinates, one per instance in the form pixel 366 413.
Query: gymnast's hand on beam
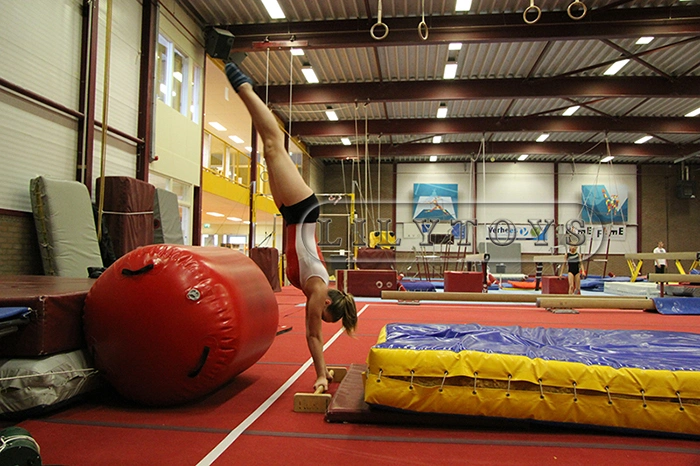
pixel 322 382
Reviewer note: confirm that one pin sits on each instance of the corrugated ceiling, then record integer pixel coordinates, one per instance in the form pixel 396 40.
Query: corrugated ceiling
pixel 499 48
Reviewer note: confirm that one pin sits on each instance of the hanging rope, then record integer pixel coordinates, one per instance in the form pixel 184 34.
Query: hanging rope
pixel 482 149
pixel 379 176
pixel 291 85
pixel 368 185
pixel 355 161
pixel 267 77
pixel 105 114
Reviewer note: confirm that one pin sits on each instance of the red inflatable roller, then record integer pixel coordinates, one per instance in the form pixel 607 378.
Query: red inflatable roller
pixel 167 324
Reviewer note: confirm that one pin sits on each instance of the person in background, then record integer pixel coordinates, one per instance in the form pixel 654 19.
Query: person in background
pixel 573 260
pixel 660 264
pixel 299 207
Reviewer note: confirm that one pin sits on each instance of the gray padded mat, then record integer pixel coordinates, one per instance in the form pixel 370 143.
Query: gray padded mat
pixel 65 227
pixel 166 218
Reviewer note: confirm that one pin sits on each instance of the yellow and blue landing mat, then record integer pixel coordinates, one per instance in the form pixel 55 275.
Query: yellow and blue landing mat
pixel 628 379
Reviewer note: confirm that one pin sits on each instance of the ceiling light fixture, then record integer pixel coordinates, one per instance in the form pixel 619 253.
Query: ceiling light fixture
pixel 273 9
pixel 571 110
pixel 236 139
pixel 616 67
pixel 433 158
pixel 542 137
pixel 607 159
pixel 523 157
pixel 297 52
pixel 442 111
pixel 217 126
pixel 215 214
pixel 463 5
pixel 450 70
pixel 345 141
pixel 695 112
pixel 234 219
pixel 644 40
pixel 309 74
pixel 642 140
pixel 437 139
pixel 454 46
pixel 330 113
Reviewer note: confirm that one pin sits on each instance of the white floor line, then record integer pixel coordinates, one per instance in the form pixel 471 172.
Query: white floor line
pixel 235 433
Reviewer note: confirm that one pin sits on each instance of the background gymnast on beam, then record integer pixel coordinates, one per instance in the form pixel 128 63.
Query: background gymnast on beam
pixel 299 207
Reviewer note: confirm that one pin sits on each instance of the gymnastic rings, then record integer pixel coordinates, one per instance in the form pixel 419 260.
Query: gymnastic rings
pixel 581 5
pixel 535 9
pixel 422 26
pixel 264 176
pixel 379 23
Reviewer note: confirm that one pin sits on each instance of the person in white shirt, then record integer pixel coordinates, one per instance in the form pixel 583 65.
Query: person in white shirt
pixel 660 264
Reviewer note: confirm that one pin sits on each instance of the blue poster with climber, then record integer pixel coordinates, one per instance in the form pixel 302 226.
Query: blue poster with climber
pixel 603 206
pixel 434 201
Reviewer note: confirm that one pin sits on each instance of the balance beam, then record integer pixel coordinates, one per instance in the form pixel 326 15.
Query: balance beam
pixel 476 258
pixel 622 302
pixel 555 260
pixel 663 278
pixel 673 277
pixel 490 297
pixel 675 256
pixel 558 259
pixel 455 296
pixel 690 256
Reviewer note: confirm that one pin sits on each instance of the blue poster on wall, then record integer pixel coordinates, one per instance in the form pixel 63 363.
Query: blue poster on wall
pixel 601 206
pixel 434 201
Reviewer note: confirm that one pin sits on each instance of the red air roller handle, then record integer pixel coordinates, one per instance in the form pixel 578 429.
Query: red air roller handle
pixel 202 359
pixel 131 273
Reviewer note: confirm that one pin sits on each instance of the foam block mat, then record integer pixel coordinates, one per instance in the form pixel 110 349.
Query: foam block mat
pixel 55 322
pixel 640 380
pixel 631 289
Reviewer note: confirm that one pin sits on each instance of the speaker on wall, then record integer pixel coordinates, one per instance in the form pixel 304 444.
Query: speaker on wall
pixel 219 43
pixel 685 189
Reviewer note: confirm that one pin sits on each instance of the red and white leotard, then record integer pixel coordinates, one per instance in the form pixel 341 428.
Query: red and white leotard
pixel 304 257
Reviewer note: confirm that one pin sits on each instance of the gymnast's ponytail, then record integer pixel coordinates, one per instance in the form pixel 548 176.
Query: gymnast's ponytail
pixel 343 307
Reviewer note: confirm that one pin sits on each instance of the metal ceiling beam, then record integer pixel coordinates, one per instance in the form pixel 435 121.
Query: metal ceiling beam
pixel 533 148
pixel 628 22
pixel 476 89
pixel 677 125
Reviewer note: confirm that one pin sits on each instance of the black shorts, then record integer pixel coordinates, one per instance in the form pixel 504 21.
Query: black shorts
pixel 305 211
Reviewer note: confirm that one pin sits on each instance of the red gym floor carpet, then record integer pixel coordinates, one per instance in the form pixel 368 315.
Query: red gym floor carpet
pixel 250 421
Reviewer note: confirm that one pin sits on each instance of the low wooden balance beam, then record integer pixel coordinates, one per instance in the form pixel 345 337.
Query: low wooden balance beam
pixel 457 296
pixel 663 278
pixel 635 261
pixel 488 297
pixel 586 302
